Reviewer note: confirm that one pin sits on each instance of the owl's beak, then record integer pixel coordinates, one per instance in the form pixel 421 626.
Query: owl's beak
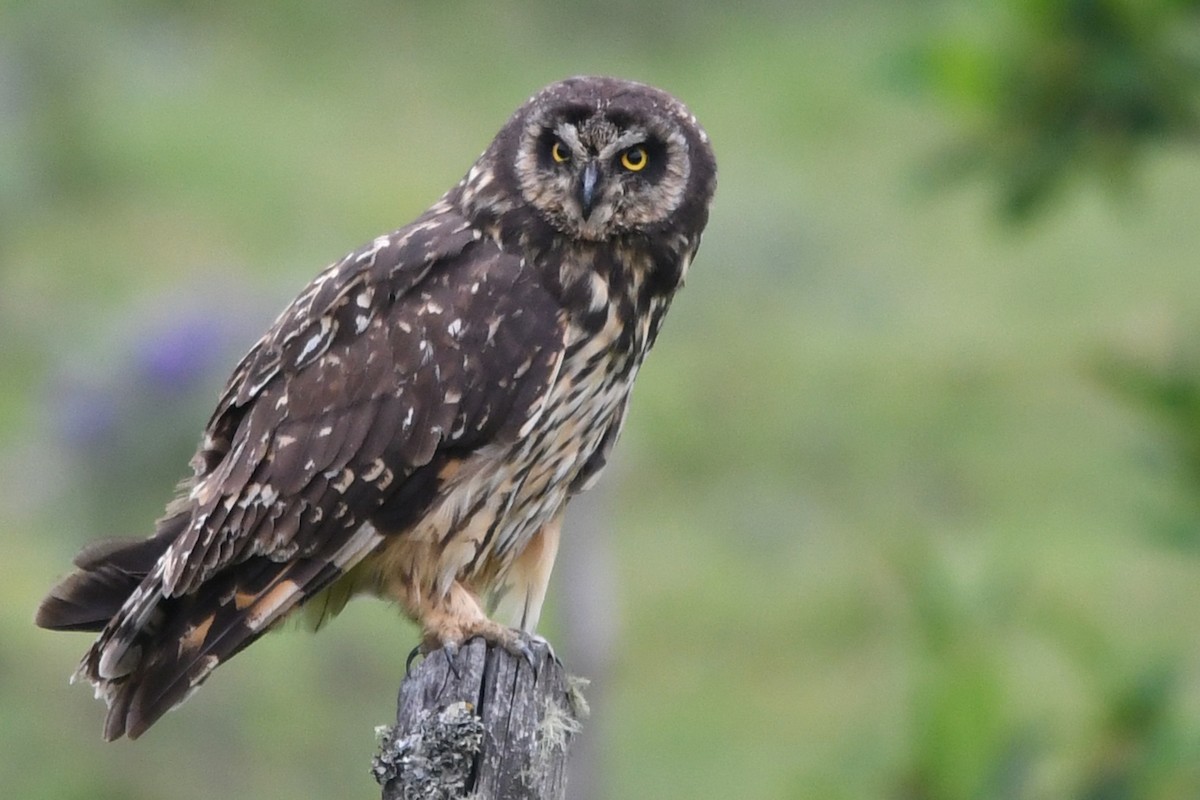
pixel 587 188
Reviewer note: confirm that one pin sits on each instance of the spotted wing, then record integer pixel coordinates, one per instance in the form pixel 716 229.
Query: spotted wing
pixel 430 339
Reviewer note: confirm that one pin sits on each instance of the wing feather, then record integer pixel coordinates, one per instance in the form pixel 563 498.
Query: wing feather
pixel 428 339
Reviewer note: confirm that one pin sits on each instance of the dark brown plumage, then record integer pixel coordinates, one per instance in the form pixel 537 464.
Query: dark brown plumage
pixel 414 423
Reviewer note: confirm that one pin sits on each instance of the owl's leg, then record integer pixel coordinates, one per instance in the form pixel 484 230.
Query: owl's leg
pixel 450 618
pixel 524 589
pixel 447 622
pixel 421 575
pixel 458 617
pixel 454 618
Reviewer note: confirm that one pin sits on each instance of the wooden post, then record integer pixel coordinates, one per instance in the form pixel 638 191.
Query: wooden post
pixel 490 727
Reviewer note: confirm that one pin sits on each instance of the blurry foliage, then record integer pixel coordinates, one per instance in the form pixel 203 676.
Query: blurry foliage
pixel 1056 90
pixel 1166 390
pixel 1143 747
pixel 969 741
pixel 1049 93
pixel 965 740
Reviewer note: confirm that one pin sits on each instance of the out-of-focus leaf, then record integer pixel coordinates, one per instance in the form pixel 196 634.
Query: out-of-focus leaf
pixel 1068 88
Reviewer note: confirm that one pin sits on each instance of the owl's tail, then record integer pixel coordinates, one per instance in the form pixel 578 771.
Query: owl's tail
pixel 107 573
pixel 154 650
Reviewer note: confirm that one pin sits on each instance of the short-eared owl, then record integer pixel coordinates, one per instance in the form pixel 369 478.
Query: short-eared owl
pixel 414 423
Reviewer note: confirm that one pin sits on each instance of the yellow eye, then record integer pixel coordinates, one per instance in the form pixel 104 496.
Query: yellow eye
pixel 559 153
pixel 635 159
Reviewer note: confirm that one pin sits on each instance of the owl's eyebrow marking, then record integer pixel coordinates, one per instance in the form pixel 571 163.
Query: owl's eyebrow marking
pixel 569 135
pixel 625 140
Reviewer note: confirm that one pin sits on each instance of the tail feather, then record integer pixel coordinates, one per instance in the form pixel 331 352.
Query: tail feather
pixel 153 650
pixel 206 629
pixel 209 631
pixel 108 573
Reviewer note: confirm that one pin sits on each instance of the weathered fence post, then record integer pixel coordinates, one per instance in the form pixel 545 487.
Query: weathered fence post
pixel 489 727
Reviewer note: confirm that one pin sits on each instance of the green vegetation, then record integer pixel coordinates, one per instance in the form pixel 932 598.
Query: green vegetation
pixel 906 506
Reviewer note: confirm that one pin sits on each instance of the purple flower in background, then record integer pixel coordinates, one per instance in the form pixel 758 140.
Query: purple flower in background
pixel 85 415
pixel 127 408
pixel 183 354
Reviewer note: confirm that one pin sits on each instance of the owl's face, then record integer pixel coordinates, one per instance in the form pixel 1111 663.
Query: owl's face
pixel 601 157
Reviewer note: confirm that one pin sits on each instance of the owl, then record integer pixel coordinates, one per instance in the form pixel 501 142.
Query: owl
pixel 413 425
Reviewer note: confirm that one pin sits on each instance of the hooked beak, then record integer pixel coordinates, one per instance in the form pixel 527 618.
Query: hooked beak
pixel 587 188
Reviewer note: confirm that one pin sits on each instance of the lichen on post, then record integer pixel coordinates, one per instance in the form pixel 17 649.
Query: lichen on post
pixel 488 725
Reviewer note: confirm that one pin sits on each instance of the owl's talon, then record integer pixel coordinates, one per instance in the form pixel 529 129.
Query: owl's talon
pixel 542 642
pixel 412 656
pixel 451 651
pixel 529 646
pixel 523 650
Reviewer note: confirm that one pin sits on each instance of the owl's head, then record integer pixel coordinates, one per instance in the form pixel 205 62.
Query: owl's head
pixel 598 158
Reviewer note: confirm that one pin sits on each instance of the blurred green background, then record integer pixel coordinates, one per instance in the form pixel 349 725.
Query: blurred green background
pixel 908 505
